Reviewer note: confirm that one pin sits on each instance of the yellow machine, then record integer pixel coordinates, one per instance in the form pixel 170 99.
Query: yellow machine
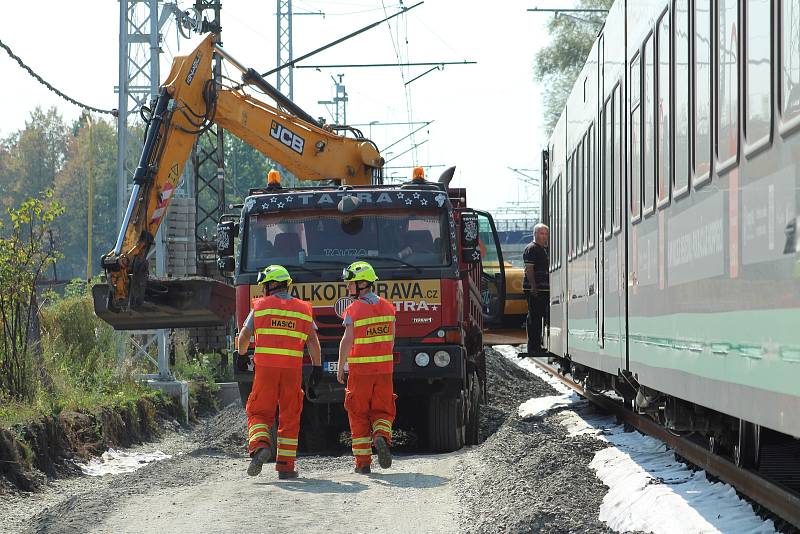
pixel 188 103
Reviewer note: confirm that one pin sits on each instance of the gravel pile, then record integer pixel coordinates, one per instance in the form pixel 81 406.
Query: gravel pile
pixel 508 386
pixel 225 432
pixel 529 475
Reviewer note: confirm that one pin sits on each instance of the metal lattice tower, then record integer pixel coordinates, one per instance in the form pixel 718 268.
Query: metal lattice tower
pixel 208 162
pixel 139 78
pixel 285 76
pixel 139 75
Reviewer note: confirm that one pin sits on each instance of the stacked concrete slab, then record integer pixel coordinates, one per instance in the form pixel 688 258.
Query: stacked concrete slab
pixel 209 339
pixel 181 251
pixel 182 261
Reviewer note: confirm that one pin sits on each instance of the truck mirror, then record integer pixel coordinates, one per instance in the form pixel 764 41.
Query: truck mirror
pixel 470 247
pixel 226 233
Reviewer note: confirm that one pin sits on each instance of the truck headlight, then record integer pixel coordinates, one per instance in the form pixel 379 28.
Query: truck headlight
pixel 422 359
pixel 441 358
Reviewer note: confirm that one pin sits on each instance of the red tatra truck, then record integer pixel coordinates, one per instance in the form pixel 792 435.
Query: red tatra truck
pixel 426 246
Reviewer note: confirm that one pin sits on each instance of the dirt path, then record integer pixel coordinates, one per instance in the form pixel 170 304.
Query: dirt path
pixel 327 498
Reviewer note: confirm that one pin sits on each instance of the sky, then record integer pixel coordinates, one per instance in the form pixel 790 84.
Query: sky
pixel 486 117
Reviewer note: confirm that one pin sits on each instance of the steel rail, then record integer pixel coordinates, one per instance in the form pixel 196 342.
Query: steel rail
pixel 782 502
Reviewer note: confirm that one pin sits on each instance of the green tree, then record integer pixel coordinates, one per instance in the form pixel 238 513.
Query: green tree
pixel 23 259
pixel 247 168
pixel 558 65
pixel 71 188
pixel 33 157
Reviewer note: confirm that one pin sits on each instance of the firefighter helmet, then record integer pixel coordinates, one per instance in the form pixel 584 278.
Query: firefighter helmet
pixel 274 273
pixel 359 270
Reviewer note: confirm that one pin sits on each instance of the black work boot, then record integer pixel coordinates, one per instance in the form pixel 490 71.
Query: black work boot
pixel 259 458
pixel 363 470
pixel 287 475
pixel 384 454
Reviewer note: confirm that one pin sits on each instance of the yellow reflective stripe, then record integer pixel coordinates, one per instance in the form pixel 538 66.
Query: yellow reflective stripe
pixel 287 441
pixel 257 435
pixel 362 451
pixel 281 332
pixel 370 359
pixel 279 352
pixel 287 452
pixel 282 313
pixel 356 441
pixel 385 421
pixel 386 429
pixel 373 320
pixel 257 426
pixel 375 339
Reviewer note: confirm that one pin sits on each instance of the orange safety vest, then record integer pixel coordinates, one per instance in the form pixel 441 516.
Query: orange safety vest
pixel 282 327
pixel 373 343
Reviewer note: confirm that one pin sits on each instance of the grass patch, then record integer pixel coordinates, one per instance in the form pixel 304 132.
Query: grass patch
pixel 82 368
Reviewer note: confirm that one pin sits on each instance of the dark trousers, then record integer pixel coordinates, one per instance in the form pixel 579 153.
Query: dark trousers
pixel 538 316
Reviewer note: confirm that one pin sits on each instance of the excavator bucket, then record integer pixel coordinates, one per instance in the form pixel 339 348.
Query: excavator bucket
pixel 172 303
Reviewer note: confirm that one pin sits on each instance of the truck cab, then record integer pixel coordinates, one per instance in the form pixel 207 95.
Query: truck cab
pixel 424 244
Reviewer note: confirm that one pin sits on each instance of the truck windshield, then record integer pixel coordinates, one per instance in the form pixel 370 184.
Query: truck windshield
pixel 419 239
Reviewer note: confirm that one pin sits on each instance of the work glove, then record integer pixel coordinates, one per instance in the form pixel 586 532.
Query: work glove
pixel 242 361
pixel 316 376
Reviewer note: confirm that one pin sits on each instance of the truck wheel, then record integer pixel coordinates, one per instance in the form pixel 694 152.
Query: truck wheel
pixel 314 431
pixel 445 424
pixel 273 438
pixel 244 391
pixel 474 410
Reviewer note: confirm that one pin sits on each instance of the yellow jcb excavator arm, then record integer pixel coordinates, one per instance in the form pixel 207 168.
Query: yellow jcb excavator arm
pixel 188 103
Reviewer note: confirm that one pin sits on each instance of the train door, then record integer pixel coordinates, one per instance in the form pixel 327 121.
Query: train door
pixel 546 217
pixel 597 200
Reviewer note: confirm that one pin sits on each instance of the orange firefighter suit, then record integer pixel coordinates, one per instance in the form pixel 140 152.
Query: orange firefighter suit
pixel 369 396
pixel 281 326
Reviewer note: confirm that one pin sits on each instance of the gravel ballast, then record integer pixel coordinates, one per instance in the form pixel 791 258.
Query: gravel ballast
pixel 529 475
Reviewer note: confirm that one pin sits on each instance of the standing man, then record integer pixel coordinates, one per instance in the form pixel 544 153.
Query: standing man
pixel 282 325
pixel 367 347
pixel 537 284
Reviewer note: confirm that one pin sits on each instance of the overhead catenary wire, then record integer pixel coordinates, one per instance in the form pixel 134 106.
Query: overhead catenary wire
pixel 44 82
pixel 406 90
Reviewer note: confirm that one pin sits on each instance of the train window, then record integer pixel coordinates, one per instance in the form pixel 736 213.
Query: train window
pixel 664 176
pixel 681 95
pixel 728 82
pixel 591 186
pixel 790 60
pixel 617 170
pixel 702 90
pixel 635 173
pixel 649 136
pixel 758 125
pixel 558 224
pixel 606 178
pixel 571 207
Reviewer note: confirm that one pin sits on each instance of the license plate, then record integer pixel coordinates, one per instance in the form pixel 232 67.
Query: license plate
pixel 332 367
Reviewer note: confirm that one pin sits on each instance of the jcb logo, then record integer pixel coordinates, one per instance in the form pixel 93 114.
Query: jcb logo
pixel 193 69
pixel 380 330
pixel 287 137
pixel 282 323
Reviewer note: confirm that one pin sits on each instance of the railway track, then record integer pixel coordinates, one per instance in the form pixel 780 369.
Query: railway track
pixel 781 501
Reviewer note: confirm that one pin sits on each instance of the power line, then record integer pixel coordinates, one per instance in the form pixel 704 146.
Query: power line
pixel 53 89
pixel 359 65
